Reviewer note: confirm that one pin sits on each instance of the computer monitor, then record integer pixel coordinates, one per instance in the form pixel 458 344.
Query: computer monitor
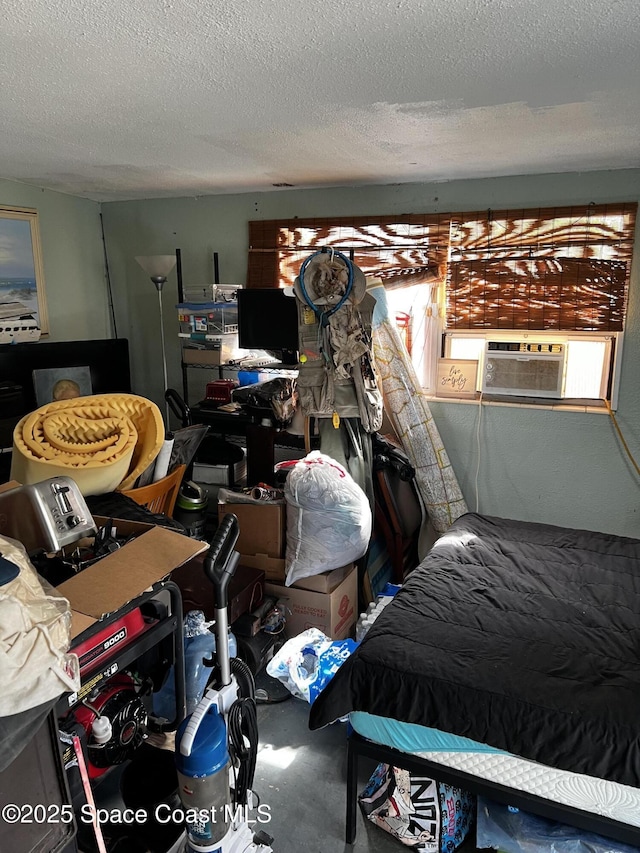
pixel 268 320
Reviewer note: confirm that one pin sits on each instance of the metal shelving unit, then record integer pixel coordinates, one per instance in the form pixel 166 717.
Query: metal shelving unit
pixel 208 327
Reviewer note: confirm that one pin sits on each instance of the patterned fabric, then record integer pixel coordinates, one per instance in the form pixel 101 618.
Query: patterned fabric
pixel 421 813
pixel 407 407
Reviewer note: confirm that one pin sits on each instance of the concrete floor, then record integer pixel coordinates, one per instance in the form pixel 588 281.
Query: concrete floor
pixel 301 775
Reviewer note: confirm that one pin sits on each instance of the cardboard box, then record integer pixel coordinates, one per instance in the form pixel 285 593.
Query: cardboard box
pixel 123 575
pixel 210 357
pixel 274 570
pixel 273 567
pixel 262 527
pixel 246 589
pixel 334 613
pixel 325 581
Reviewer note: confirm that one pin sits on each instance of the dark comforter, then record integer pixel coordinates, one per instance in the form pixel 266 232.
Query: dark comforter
pixel 522 636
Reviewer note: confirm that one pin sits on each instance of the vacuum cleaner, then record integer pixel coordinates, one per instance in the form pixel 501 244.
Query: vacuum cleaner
pixel 217 745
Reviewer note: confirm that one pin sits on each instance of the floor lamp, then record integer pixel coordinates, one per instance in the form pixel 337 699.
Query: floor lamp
pixel 158 268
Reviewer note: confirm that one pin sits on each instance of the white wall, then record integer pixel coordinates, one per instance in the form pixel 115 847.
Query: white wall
pixel 534 464
pixel 73 260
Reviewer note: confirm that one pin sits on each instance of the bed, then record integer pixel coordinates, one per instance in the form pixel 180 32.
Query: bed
pixel 508 664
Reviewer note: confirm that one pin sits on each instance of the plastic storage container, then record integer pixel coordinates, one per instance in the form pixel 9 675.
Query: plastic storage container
pixel 203 776
pixel 199 644
pixel 208 318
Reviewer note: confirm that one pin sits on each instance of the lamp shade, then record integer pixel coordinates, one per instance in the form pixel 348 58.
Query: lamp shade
pixel 157 266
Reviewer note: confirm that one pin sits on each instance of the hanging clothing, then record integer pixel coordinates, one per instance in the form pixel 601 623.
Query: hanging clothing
pixel 351 446
pixel 336 376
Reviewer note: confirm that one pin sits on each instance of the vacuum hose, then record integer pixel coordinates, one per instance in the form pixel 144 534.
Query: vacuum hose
pixel 244 678
pixel 242 725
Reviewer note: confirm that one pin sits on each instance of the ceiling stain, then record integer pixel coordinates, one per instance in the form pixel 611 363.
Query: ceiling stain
pixel 184 97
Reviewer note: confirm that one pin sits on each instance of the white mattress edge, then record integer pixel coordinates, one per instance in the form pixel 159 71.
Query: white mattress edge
pixel 587 793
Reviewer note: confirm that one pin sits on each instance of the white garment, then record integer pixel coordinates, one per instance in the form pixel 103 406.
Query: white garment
pixel 34 638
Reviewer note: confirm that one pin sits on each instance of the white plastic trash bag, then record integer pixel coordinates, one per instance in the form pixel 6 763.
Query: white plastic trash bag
pixel 328 517
pixel 35 626
pixel 306 663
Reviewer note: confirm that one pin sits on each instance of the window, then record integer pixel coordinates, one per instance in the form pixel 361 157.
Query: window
pixel 552 276
pixel 558 268
pixel 473 283
pixel 583 365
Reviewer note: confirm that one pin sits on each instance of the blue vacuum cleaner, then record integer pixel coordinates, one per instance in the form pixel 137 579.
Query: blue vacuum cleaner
pixel 217 745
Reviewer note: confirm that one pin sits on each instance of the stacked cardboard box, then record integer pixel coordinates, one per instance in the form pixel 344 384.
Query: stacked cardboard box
pixel 261 543
pixel 328 601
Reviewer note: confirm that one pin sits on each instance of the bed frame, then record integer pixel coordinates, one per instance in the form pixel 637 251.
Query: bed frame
pixel 358 746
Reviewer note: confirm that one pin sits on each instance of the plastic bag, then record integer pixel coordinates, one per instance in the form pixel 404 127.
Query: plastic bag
pixel 308 662
pixel 35 624
pixel 199 645
pixel 328 517
pixel 513 831
pixel 277 395
pixel 420 812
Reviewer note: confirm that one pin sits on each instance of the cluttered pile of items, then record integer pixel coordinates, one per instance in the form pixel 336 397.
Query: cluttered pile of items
pixel 119 665
pixel 92 640
pixel 98 654
pixel 281 582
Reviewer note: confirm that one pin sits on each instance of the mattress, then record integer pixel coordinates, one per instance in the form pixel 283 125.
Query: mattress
pixel 588 793
pixel 518 635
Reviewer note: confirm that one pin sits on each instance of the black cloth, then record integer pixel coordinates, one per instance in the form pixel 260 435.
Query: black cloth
pixel 117 505
pixel 17 730
pixel 522 636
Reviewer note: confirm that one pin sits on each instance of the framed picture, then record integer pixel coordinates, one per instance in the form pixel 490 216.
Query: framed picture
pixel 457 377
pixel 23 307
pixel 61 383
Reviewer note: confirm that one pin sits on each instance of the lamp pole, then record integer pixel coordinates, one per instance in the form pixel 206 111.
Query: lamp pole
pixel 158 268
pixel 159 282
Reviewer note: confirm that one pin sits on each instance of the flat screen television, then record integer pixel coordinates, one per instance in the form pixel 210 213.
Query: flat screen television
pixel 268 320
pixel 104 364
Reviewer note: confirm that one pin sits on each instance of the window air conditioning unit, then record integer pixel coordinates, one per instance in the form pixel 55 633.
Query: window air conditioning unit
pixel 523 369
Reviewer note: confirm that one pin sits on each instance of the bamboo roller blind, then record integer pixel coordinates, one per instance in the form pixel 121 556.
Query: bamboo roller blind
pixel 563 268
pixel 401 250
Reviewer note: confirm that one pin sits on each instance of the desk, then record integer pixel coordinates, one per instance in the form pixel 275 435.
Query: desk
pixel 261 438
pixel 222 423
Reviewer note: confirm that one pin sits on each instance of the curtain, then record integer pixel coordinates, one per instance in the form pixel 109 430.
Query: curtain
pixel 401 250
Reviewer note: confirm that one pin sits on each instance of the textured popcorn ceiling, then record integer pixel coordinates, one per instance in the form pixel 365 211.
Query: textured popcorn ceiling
pixel 122 99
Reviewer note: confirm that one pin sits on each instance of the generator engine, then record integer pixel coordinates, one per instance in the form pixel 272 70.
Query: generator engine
pixel 115 722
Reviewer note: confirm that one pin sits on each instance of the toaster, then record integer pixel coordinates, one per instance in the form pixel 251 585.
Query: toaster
pixel 45 516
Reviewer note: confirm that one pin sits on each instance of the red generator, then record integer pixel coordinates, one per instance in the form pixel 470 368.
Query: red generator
pixel 124 659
